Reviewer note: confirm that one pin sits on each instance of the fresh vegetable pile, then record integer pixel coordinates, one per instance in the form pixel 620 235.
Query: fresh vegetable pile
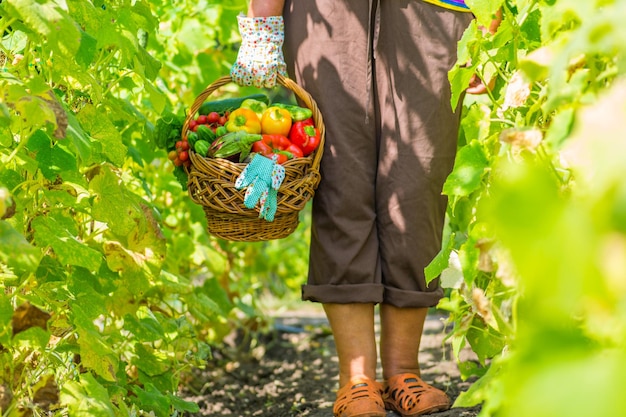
pixel 236 128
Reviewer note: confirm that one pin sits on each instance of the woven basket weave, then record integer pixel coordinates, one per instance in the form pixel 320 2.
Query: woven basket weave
pixel 211 182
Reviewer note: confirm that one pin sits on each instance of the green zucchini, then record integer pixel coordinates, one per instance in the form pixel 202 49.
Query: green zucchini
pixel 229 104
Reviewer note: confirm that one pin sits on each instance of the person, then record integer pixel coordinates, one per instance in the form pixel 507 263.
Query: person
pixel 377 70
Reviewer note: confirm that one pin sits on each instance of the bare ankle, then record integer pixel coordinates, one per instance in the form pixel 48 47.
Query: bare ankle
pixel 388 372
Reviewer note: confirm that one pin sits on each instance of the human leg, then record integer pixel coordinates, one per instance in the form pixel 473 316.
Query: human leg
pixel 400 336
pixel 403 389
pixel 419 131
pixel 353 331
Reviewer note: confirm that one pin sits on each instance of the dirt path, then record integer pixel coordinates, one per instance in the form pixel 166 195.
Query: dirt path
pixel 294 372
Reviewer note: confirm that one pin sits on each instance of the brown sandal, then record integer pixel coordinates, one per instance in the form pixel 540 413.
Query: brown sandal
pixel 360 398
pixel 409 396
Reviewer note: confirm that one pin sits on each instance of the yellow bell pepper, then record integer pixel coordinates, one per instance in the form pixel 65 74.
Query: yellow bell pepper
pixel 243 119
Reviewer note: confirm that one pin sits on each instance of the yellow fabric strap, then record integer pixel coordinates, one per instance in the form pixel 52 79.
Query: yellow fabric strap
pixel 448 6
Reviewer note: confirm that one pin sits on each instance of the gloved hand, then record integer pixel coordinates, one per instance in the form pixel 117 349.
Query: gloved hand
pixel 263 177
pixel 260 57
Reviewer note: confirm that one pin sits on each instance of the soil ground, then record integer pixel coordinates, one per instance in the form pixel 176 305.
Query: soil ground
pixel 292 371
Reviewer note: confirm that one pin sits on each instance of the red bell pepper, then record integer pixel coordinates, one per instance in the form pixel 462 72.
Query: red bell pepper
pixel 305 135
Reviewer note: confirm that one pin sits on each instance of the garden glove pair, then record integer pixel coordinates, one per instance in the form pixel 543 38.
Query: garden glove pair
pixel 260 57
pixel 263 177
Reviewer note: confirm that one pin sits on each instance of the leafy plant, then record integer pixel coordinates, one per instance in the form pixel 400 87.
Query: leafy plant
pixel 536 210
pixel 111 290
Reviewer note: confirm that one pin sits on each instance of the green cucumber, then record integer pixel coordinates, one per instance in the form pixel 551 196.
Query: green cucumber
pixel 202 146
pixel 192 138
pixel 205 133
pixel 297 113
pixel 229 104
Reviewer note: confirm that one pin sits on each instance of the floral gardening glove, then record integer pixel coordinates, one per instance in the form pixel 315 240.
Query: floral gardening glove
pixel 260 56
pixel 263 177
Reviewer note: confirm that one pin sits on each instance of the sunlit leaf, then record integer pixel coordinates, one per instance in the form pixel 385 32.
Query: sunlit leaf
pixel 15 251
pixel 98 125
pixel 152 399
pixel 52 230
pixel 95 353
pixel 469 168
pixel 87 398
pixel 53 159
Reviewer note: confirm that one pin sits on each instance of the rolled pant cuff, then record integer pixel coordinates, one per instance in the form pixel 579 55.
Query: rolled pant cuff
pixel 370 293
pixel 343 294
pixel 412 299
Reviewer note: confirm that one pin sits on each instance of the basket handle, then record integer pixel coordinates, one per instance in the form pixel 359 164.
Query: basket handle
pixel 286 82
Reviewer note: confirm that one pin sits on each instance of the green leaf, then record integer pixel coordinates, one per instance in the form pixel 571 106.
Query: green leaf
pixel 34 338
pixel 144 325
pixel 148 66
pixel 152 399
pixel 87 50
pixel 484 10
pixel 484 340
pixel 16 252
pixel 113 205
pixel 36 112
pixel 486 388
pixel 6 314
pixel 148 361
pixel 97 124
pixel 440 262
pixel 53 159
pixel 158 100
pixel 182 405
pixel 202 306
pixel 56 231
pixel 560 128
pixel 91 303
pixel 469 168
pixel 459 78
pixel 50 21
pixel 86 398
pixel 212 288
pixel 80 139
pixel 95 353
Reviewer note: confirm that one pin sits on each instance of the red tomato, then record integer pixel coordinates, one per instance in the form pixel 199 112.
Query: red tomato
pixel 213 117
pixel 202 119
pixel 183 145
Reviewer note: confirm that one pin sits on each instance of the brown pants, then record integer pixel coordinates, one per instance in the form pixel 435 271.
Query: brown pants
pixel 379 76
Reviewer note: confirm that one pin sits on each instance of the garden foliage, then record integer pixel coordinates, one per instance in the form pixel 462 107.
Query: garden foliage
pixel 111 289
pixel 536 246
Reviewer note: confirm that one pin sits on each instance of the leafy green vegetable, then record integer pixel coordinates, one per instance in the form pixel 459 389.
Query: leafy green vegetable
pixel 168 130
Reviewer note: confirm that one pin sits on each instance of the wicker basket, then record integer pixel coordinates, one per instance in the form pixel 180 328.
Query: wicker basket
pixel 212 183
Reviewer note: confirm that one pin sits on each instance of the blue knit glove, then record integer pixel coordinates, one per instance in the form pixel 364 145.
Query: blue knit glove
pixel 260 56
pixel 263 177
